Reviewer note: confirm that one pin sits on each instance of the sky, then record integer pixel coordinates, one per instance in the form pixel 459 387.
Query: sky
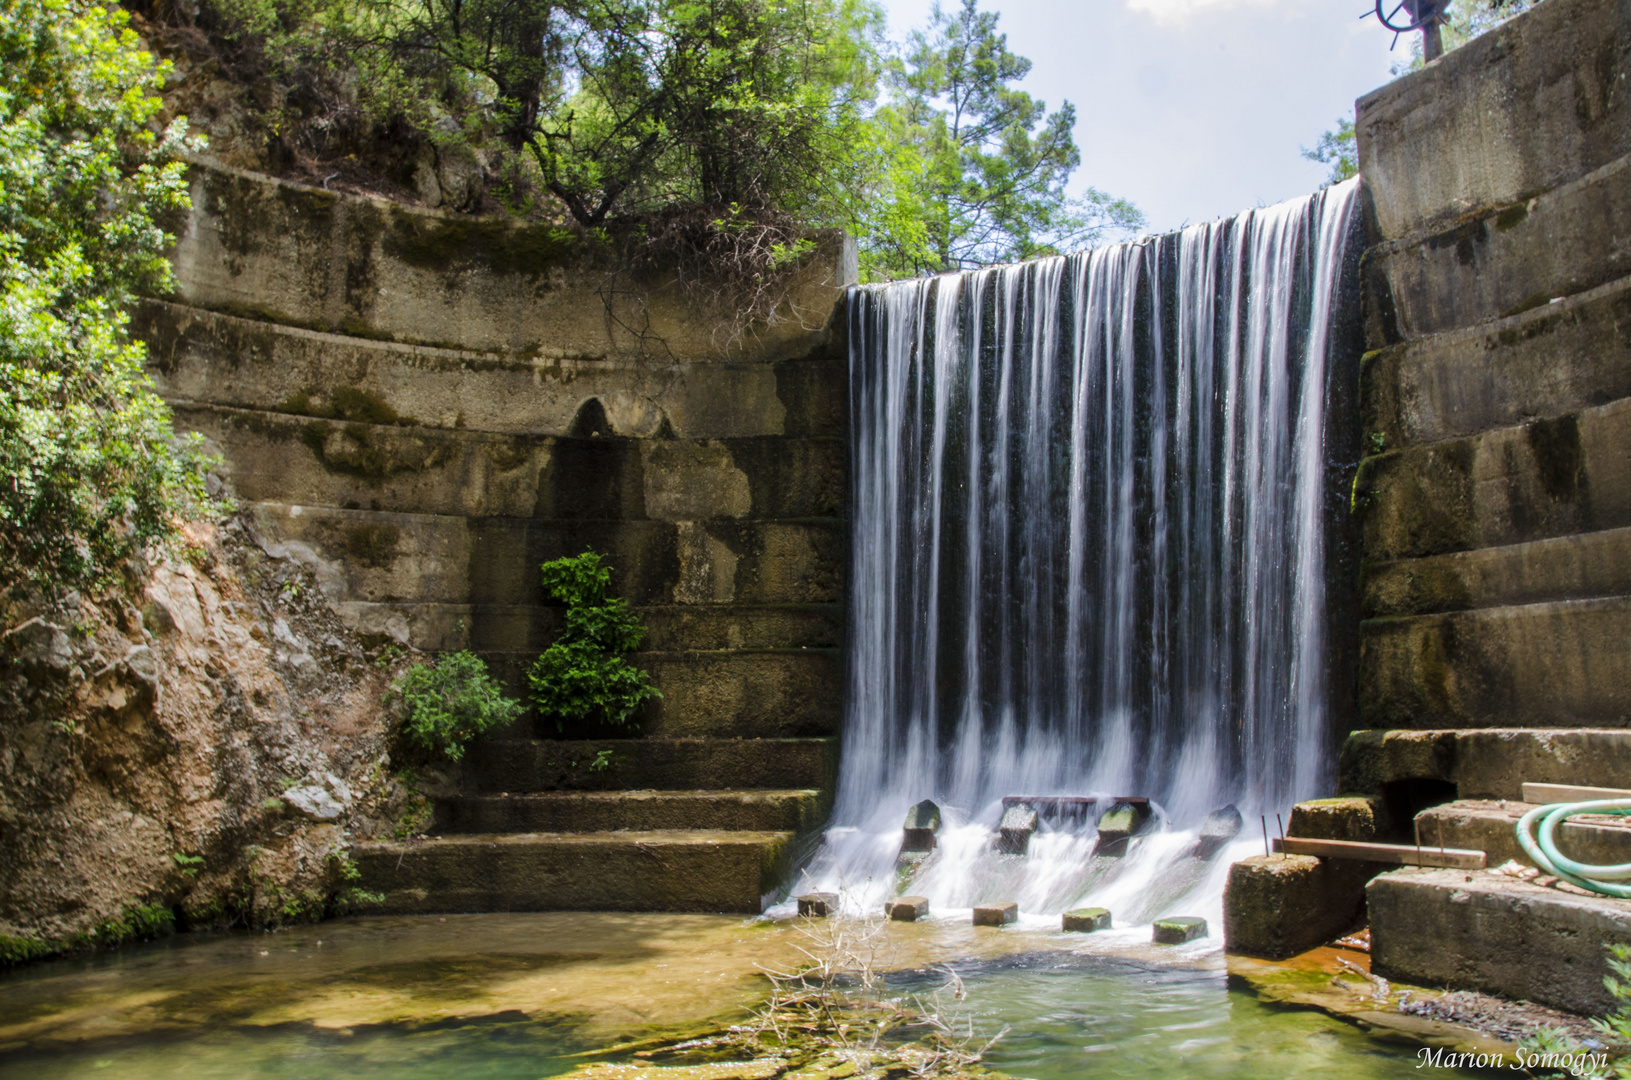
pixel 1193 109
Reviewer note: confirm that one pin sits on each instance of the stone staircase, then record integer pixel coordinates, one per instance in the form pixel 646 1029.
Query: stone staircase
pixel 714 827
pixel 422 407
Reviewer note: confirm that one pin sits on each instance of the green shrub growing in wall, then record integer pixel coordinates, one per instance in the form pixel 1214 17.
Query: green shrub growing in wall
pixel 450 701
pixel 583 677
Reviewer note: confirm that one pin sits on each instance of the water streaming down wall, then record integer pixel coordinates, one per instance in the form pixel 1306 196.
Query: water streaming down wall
pixel 1090 498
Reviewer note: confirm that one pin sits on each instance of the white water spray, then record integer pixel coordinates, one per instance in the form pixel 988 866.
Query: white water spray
pixel 1089 555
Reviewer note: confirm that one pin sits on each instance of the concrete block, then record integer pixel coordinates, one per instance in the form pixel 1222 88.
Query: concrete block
pixel 1550 361
pixel 999 914
pixel 1530 105
pixel 922 823
pixel 1582 566
pixel 818 905
pixel 1086 920
pixel 1276 906
pixel 1019 822
pixel 1547 478
pixel 1496 934
pixel 1220 827
pixel 1360 818
pixel 1485 763
pixel 517 765
pixel 907 908
pixel 1177 930
pixel 1556 665
pixel 1119 825
pixel 605 811
pixel 1490 826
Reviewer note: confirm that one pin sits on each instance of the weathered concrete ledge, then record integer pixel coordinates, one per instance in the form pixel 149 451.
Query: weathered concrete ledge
pixel 366 267
pixel 1530 105
pixel 1553 359
pixel 1490 826
pixel 410 468
pixel 379 557
pixel 796 811
pixel 524 765
pixel 1593 564
pixel 1560 664
pixel 205 356
pixel 1492 763
pixel 1498 934
pixel 1543 479
pixel 1504 260
pixel 646 871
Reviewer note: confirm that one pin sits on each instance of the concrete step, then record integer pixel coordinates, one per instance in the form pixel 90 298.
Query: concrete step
pixel 796 811
pixel 1586 566
pixel 726 693
pixel 1478 930
pixel 1483 763
pixel 436 627
pixel 1562 665
pixel 1553 477
pixel 395 464
pixel 530 765
pixel 1502 260
pixel 377 557
pixel 1549 361
pixel 667 870
pixel 1490 826
pixel 219 359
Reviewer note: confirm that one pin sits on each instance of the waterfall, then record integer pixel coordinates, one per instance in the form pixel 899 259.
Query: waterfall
pixel 1089 535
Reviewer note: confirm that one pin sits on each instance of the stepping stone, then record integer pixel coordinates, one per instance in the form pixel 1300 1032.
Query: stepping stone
pixel 907 908
pixel 818 905
pixel 1014 836
pixel 1177 930
pixel 996 914
pixel 1086 920
pixel 1119 825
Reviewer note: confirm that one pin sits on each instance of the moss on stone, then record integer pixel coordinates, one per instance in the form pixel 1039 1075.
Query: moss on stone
pixel 495 244
pixel 371 545
pixel 22 950
pixel 1556 447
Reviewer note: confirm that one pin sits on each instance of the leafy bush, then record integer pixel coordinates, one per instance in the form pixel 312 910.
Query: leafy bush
pixel 449 702
pixel 583 676
pixel 94 471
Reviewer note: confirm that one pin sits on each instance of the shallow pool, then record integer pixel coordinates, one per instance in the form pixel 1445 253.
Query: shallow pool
pixel 495 997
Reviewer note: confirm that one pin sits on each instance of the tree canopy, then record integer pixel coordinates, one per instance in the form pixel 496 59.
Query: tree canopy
pixel 91 471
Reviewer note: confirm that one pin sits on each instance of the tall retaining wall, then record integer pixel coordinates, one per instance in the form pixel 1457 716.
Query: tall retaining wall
pixel 424 406
pixel 1495 502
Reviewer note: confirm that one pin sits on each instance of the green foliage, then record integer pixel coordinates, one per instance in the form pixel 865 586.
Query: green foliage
pixel 22 950
pixel 972 170
pixel 93 470
pixel 189 865
pixel 583 676
pixel 139 922
pixel 1339 149
pixel 449 702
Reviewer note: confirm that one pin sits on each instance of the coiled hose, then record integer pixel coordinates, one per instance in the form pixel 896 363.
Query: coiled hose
pixel 1535 831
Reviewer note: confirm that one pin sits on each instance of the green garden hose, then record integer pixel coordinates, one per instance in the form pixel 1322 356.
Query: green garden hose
pixel 1535 837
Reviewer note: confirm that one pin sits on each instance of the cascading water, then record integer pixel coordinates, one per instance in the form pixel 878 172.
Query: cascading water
pixel 1089 550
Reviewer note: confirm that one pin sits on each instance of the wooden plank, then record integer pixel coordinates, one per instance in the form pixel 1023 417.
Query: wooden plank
pixel 1556 793
pixel 1398 854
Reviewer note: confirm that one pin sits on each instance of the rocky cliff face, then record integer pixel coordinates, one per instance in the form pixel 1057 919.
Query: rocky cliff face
pixel 198 752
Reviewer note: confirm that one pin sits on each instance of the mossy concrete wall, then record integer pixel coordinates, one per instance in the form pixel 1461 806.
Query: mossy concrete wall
pixel 423 406
pixel 1496 502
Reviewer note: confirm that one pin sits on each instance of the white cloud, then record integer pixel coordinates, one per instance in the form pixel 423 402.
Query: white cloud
pixel 1178 13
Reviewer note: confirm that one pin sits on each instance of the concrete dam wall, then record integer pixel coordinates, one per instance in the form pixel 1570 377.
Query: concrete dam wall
pixel 424 406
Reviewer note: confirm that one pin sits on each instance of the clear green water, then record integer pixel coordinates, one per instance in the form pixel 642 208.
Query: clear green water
pixel 514 997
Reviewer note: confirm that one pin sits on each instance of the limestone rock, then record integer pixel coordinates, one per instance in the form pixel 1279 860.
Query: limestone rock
pixel 314 802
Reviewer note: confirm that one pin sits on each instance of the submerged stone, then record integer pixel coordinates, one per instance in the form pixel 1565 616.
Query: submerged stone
pixel 1220 827
pixel 1014 834
pixel 1086 920
pixel 999 914
pixel 818 905
pixel 1119 825
pixel 907 908
pixel 1177 930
